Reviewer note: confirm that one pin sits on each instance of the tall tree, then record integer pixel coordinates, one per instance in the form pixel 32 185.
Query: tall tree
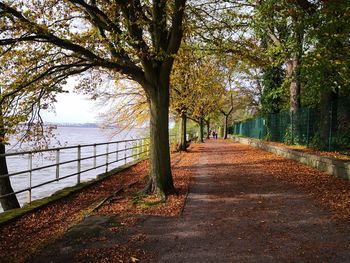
pixel 135 38
pixel 20 116
pixel 209 87
pixel 283 22
pixel 226 109
pixel 326 65
pixel 196 86
pixel 273 99
pixel 182 91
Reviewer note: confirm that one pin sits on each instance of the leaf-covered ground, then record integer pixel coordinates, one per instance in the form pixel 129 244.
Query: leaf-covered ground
pixel 344 155
pixel 245 205
pixel 24 237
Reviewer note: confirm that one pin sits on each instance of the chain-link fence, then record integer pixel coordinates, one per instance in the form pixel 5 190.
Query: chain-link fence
pixel 326 127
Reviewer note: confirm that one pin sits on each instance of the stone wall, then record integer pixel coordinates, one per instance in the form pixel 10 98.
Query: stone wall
pixel 328 165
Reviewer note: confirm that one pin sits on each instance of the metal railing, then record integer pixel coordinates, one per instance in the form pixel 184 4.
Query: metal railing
pixel 114 152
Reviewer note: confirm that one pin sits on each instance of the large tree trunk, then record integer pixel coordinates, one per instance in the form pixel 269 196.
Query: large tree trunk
pixel 294 88
pixel 182 146
pixel 293 71
pixel 201 130
pixel 9 202
pixel 207 122
pixel 225 127
pixel 161 181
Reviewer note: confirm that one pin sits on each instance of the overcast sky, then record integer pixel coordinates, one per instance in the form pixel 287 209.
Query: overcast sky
pixel 72 108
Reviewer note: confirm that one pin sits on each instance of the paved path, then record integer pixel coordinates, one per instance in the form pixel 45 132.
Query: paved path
pixel 237 211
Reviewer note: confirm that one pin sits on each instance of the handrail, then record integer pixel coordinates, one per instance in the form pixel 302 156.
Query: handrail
pixel 132 148
pixel 65 162
pixel 69 147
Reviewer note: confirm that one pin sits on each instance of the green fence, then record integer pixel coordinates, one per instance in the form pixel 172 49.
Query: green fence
pixel 326 129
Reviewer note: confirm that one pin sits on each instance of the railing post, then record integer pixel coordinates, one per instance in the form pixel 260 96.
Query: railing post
pixel 147 148
pixel 95 156
pixel 116 152
pixel 30 167
pixel 57 164
pixel 139 148
pixel 107 152
pixel 79 164
pixel 308 128
pixel 125 152
pixel 330 128
pixel 142 147
pixel 292 126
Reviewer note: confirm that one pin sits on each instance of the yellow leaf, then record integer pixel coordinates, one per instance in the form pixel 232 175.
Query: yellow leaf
pixel 133 259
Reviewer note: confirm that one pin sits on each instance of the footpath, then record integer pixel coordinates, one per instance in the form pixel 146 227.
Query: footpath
pixel 245 205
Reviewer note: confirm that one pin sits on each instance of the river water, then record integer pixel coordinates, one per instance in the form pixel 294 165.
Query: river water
pixel 66 136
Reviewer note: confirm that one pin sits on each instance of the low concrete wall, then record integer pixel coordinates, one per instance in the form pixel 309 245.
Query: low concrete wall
pixel 328 165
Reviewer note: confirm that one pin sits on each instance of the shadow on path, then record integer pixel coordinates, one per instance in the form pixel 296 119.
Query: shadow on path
pixel 235 212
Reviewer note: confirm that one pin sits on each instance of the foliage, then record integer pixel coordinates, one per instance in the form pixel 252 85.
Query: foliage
pixel 327 64
pixel 183 81
pixel 22 102
pixel 273 98
pixel 137 39
pixel 124 105
pixel 196 84
pixel 191 128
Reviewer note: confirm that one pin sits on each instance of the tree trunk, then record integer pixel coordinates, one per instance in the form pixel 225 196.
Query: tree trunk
pixel 160 179
pixel 201 132
pixel 328 117
pixel 221 132
pixel 294 88
pixel 208 128
pixel 293 68
pixel 225 127
pixel 182 146
pixel 9 202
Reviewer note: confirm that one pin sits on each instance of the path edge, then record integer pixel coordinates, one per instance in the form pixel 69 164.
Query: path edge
pixel 335 167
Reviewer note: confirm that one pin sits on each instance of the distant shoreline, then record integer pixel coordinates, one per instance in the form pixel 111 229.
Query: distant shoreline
pixel 88 125
pixel 82 125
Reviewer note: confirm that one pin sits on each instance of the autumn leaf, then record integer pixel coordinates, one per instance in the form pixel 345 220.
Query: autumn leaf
pixel 133 259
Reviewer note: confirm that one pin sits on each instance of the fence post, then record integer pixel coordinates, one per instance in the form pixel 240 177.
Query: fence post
pixel 57 164
pixel 95 152
pixel 107 152
pixel 30 167
pixel 142 147
pixel 138 146
pixel 125 152
pixel 116 152
pixel 292 126
pixel 79 164
pixel 308 128
pixel 330 128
